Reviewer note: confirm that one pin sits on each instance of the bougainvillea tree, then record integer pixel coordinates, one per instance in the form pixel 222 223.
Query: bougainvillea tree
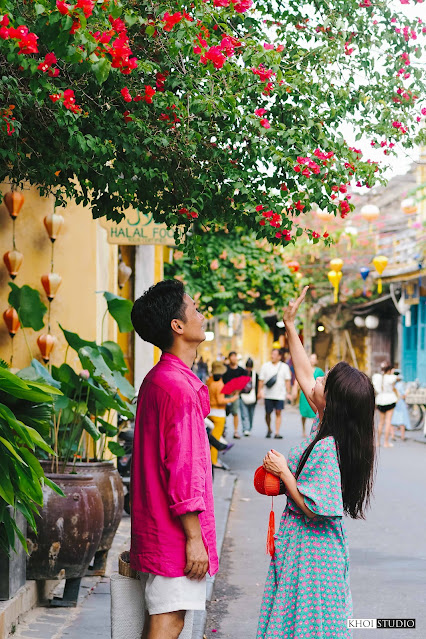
pixel 228 111
pixel 235 273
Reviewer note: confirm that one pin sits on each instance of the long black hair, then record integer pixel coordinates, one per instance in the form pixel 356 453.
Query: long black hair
pixel 349 418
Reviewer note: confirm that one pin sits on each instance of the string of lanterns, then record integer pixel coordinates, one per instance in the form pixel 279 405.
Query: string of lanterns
pixel 50 281
pixel 13 201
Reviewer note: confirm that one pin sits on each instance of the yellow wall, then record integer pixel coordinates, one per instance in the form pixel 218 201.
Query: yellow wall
pixel 83 258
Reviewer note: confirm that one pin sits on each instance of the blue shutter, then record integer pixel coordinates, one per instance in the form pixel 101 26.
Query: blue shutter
pixel 409 348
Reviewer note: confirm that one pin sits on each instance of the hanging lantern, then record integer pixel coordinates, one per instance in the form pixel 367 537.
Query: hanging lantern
pixel 370 212
pixel 51 282
pixel 336 264
pixel 124 272
pixel 325 216
pixel 13 201
pixel 409 206
pixel 334 278
pixel 13 260
pixel 364 271
pixel 53 223
pixel 293 266
pixel 11 320
pixel 380 263
pixel 46 344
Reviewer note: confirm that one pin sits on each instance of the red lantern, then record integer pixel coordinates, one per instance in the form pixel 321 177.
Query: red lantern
pixel 46 344
pixel 13 260
pixel 13 201
pixel 293 266
pixel 11 320
pixel 51 282
pixel 53 224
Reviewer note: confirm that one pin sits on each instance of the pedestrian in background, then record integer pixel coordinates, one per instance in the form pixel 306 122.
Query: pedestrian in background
pixel 384 386
pixel 307 593
pixel 173 539
pixel 306 411
pixel 274 386
pixel 248 399
pixel 400 417
pixel 218 403
pixel 202 371
pixel 232 372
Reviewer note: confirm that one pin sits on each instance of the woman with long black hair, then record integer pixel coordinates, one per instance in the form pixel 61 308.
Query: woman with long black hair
pixel 307 592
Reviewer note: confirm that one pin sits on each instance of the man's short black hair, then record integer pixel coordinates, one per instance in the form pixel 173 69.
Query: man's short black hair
pixel 153 312
pixel 232 353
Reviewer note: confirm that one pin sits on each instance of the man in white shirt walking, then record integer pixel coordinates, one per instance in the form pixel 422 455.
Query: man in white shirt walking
pixel 274 385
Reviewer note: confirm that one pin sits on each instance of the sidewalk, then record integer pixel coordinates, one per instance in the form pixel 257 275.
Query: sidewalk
pixel 92 616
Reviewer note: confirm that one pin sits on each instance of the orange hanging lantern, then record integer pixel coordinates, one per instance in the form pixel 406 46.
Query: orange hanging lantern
pixel 51 282
pixel 370 212
pixel 13 201
pixel 268 484
pixel 46 344
pixel 409 206
pixel 293 266
pixel 53 223
pixel 13 260
pixel 380 262
pixel 325 216
pixel 11 320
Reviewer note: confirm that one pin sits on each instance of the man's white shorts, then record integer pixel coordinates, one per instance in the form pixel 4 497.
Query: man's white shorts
pixel 168 594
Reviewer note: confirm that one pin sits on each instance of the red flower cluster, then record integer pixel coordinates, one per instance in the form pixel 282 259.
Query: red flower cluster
pixel 216 54
pixel 407 33
pixel 191 215
pixel 27 41
pixel 147 97
pixel 49 60
pixel 344 208
pixel 172 119
pixel 119 50
pixel 365 3
pixel 309 166
pixel 263 73
pixel 85 5
pixel 172 19
pixel 7 117
pixel 406 94
pixel 68 98
pixel 405 58
pixel 400 127
pixel 285 235
pixel 240 6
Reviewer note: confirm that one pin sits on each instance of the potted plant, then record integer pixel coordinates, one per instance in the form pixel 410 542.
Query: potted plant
pixel 25 411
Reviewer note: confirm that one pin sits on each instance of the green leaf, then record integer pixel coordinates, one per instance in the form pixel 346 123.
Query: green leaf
pixel 123 385
pixel 91 359
pixel 6 487
pixel 106 428
pixel 113 355
pixel 75 341
pixel 27 302
pixel 90 428
pixel 39 9
pixel 101 69
pixel 120 309
pixel 116 449
pixel 11 449
pixel 53 486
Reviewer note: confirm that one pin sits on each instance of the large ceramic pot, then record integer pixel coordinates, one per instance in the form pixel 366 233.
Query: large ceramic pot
pixel 69 529
pixel 110 486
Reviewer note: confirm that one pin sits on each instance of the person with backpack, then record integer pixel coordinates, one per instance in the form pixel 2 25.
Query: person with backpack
pixel 248 398
pixel 274 387
pixel 307 592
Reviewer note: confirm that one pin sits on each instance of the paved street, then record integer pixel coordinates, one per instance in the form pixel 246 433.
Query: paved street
pixel 388 550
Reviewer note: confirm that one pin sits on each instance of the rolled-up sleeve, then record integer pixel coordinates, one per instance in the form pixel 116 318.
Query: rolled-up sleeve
pixel 185 458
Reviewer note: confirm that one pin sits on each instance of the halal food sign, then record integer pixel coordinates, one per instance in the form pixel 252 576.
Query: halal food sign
pixel 137 228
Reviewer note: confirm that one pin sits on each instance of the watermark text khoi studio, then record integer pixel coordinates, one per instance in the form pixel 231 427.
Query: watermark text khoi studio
pixel 374 624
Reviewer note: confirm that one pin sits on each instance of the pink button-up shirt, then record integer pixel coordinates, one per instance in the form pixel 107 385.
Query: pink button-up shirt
pixel 171 469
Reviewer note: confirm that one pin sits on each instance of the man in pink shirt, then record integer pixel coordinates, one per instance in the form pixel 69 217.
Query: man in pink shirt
pixel 173 529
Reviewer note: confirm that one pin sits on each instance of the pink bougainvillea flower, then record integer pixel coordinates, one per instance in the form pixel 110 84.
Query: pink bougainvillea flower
pixel 263 73
pixel 149 93
pixel 280 48
pixel 28 44
pixel 241 6
pixel 260 112
pixel 268 46
pixel 55 97
pixel 171 20
pixel 326 234
pixel 259 207
pixel 265 123
pixel 214 55
pixel 127 117
pixel 214 265
pixel 86 6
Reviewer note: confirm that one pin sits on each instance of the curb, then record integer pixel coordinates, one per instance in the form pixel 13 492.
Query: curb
pixel 223 488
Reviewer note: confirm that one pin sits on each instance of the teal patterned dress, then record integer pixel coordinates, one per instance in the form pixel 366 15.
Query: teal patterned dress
pixel 307 593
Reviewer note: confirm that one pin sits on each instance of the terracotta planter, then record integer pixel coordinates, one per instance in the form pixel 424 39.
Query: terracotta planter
pixel 110 486
pixel 69 529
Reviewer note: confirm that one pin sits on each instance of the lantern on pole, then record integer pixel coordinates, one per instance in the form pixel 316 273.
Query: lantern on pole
pixel 51 282
pixel 370 212
pixel 334 278
pixel 11 320
pixel 364 271
pixel 380 263
pixel 13 201
pixel 13 260
pixel 46 343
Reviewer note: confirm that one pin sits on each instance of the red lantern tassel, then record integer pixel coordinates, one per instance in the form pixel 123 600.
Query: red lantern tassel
pixel 270 542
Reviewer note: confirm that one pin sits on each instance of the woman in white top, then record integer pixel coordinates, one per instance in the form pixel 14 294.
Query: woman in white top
pixel 386 398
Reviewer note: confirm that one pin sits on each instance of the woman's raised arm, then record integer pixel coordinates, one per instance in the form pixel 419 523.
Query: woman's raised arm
pixel 300 359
